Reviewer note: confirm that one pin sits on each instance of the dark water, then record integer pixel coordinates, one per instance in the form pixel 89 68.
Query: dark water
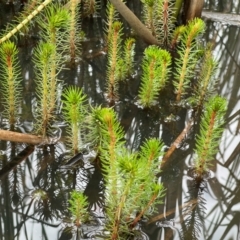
pixel 34 195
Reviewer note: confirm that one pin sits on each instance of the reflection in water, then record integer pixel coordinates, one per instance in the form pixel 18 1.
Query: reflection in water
pixel 228 6
pixel 34 194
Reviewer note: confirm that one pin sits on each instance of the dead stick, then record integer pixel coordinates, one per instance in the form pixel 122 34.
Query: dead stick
pixel 176 143
pixel 134 22
pixel 20 137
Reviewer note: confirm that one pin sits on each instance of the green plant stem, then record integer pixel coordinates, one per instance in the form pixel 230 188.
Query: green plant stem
pixel 183 74
pixel 207 145
pixel 118 215
pixel 210 133
pixel 44 100
pixel 11 90
pixel 113 64
pixel 73 29
pixel 111 18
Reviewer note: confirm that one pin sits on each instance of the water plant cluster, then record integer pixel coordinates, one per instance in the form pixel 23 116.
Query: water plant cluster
pixel 132 189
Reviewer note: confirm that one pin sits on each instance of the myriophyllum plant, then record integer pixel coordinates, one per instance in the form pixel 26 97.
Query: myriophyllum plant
pixel 205 81
pixel 74 111
pixel 90 7
pixel 155 67
pixel 159 18
pixel 177 36
pixel 148 13
pixel 188 57
pixel 44 55
pixel 112 16
pixel 10 82
pixel 114 56
pixel 211 128
pixel 78 206
pixel 74 25
pixel 126 62
pixel 130 178
pixel 54 24
pixel 164 21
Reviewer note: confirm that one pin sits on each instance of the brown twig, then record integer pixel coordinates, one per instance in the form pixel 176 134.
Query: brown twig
pixel 134 22
pixel 177 142
pixel 21 137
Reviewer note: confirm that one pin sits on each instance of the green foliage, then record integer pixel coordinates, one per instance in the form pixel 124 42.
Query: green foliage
pixel 148 15
pixel 78 206
pixel 128 55
pixel 150 152
pixel 188 56
pixel 158 17
pixel 54 22
pixel 210 132
pixel 130 178
pixel 126 60
pixel 74 110
pixel 90 7
pixel 74 29
pixel 114 56
pixel 44 56
pixel 177 35
pixel 205 83
pixel 105 130
pixel 48 59
pixel 10 83
pixel 112 16
pixel 164 21
pixel 155 66
pixel 135 187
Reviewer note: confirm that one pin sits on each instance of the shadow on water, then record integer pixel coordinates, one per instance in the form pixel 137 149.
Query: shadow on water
pixel 35 188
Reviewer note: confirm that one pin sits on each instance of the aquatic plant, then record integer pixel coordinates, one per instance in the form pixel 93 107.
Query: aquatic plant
pixel 164 21
pixel 155 67
pixel 211 128
pixel 205 82
pixel 10 81
pixel 78 206
pixel 44 55
pixel 54 25
pixel 126 61
pixel 130 178
pixel 74 111
pixel 159 18
pixel 90 7
pixel 105 131
pixel 113 60
pixel 74 29
pixel 148 15
pixel 176 36
pixel 112 16
pixel 188 56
